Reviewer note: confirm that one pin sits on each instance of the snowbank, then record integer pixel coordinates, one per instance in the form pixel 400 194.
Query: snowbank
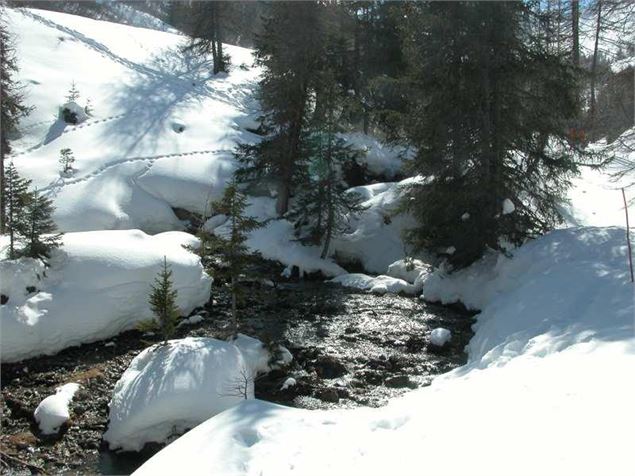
pixel 131 166
pixel 96 287
pixel 170 388
pixel 52 412
pixel 550 370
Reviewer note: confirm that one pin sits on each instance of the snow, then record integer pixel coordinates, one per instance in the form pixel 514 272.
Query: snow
pixel 52 412
pixel 170 388
pixel 97 286
pixel 375 236
pixel 131 166
pixel 549 369
pixel 376 284
pixel 408 270
pixel 508 207
pixel 288 383
pixel 381 159
pixel 440 336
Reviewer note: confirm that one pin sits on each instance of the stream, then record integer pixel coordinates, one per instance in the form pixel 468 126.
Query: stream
pixel 350 349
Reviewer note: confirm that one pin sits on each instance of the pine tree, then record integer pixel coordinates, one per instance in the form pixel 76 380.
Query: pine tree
pixel 489 105
pixel 12 107
pixel 73 93
pixel 205 27
pixel 17 198
pixel 41 235
pixel 66 160
pixel 163 302
pixel 231 249
pixel 324 205
pixel 291 52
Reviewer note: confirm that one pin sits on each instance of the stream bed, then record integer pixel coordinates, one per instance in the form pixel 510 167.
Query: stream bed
pixel 350 349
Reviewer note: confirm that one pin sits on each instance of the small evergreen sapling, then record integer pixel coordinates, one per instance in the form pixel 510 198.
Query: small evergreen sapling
pixel 40 229
pixel 67 160
pixel 17 197
pixel 231 249
pixel 163 304
pixel 73 93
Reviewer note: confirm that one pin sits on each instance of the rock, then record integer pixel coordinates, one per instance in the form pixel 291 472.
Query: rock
pixel 398 381
pixel 328 367
pixel 327 394
pixel 342 392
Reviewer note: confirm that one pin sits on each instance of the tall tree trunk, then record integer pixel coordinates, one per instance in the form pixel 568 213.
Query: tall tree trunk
pixel 575 30
pixel 595 59
pixel 3 217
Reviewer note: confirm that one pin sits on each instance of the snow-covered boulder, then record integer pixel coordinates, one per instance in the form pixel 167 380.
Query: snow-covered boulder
pixel 97 286
pixel 375 284
pixel 381 159
pixel 408 270
pixel 53 412
pixel 440 336
pixel 374 238
pixel 73 113
pixel 170 388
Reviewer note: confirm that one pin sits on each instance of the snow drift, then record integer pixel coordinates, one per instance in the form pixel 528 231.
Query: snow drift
pixel 97 286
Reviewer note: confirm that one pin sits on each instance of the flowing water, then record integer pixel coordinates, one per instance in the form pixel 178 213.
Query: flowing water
pixel 350 349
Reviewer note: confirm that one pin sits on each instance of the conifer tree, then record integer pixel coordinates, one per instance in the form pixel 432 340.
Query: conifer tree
pixel 324 205
pixel 205 27
pixel 17 197
pixel 12 107
pixel 291 51
pixel 482 105
pixel 73 93
pixel 40 232
pixel 163 303
pixel 66 160
pixel 231 249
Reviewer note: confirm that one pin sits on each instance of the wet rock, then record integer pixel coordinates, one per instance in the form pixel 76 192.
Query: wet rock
pixel 327 394
pixel 328 367
pixel 398 381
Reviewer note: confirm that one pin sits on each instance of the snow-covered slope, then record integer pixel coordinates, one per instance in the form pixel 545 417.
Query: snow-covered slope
pixel 97 286
pixel 548 388
pixel 162 126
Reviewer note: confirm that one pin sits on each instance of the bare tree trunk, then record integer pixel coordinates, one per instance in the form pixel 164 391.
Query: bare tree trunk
pixel 595 59
pixel 234 308
pixel 3 217
pixel 575 30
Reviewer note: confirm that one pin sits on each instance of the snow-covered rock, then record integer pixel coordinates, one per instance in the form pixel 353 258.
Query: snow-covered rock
pixel 376 284
pixel 408 270
pixel 97 286
pixel 381 159
pixel 508 207
pixel 550 368
pixel 71 108
pixel 374 238
pixel 53 412
pixel 170 388
pixel 440 336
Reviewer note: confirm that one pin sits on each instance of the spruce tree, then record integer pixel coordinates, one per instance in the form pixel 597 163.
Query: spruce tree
pixel 73 93
pixel 40 231
pixel 291 52
pixel 66 160
pixel 231 249
pixel 17 197
pixel 488 109
pixel 324 205
pixel 12 107
pixel 163 303
pixel 204 24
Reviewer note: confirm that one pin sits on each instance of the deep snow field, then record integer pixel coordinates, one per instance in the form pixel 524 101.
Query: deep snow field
pixel 548 387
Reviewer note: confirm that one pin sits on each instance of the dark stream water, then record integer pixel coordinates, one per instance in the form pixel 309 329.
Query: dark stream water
pixel 350 349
